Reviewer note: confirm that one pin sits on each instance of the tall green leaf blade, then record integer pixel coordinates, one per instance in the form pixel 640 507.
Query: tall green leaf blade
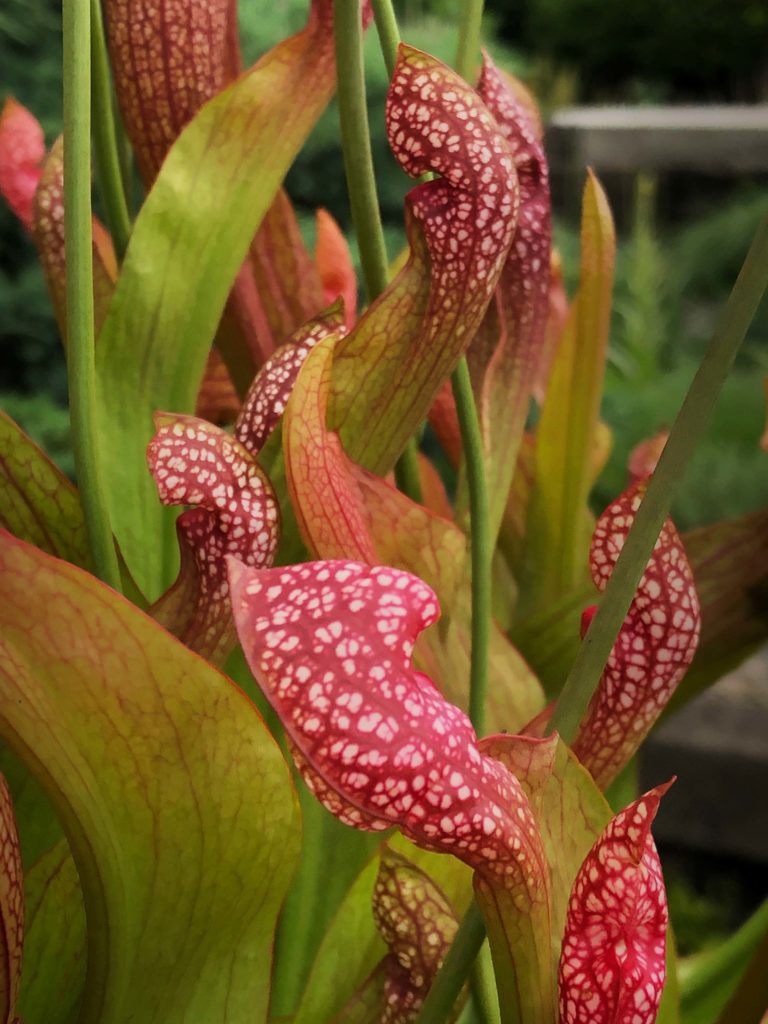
pixel 176 802
pixel 188 242
pixel 558 525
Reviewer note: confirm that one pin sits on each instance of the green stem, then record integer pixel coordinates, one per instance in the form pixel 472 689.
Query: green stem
pixel 389 33
pixel 482 551
pixel 356 144
pixel 450 978
pixel 484 990
pixel 358 163
pixel 108 169
pixel 686 432
pixel 407 476
pixel 469 38
pixel 79 258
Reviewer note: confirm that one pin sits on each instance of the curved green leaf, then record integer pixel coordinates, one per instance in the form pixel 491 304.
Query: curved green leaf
pixel 54 941
pixel 187 244
pixel 176 801
pixel 708 980
pixel 353 948
pixel 558 529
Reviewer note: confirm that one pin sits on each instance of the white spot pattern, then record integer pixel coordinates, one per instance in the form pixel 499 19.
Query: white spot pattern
pixel 405 756
pixel 196 463
pixel 271 388
pixel 612 963
pixel 654 648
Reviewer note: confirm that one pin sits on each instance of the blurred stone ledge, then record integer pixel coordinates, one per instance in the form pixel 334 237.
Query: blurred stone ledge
pixel 709 139
pixel 718 748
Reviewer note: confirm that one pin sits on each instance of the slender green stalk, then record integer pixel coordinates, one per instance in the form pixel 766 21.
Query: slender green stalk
pixel 686 432
pixel 79 256
pixel 389 33
pixel 452 975
pixel 482 551
pixel 484 990
pixel 358 163
pixel 407 476
pixel 356 144
pixel 108 171
pixel 469 38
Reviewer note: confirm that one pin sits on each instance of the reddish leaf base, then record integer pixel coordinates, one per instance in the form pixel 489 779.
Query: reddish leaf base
pixel 612 965
pixel 653 650
pixel 330 644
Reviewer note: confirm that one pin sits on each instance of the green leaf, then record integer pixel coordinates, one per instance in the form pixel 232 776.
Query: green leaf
pixel 550 638
pixel 558 528
pixel 38 827
pixel 730 566
pixel 54 941
pixel 187 244
pixel 176 802
pixel 352 948
pixel 708 980
pixel 332 857
pixel 37 502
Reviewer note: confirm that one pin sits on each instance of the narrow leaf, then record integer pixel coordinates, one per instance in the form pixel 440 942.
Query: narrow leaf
pixel 709 979
pixel 214 187
pixel 557 537
pixel 184 877
pixel 48 233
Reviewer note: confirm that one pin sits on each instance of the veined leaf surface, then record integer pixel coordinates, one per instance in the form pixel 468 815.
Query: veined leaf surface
pixel 175 800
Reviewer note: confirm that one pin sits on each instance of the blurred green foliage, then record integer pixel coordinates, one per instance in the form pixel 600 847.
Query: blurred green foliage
pixel 647 49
